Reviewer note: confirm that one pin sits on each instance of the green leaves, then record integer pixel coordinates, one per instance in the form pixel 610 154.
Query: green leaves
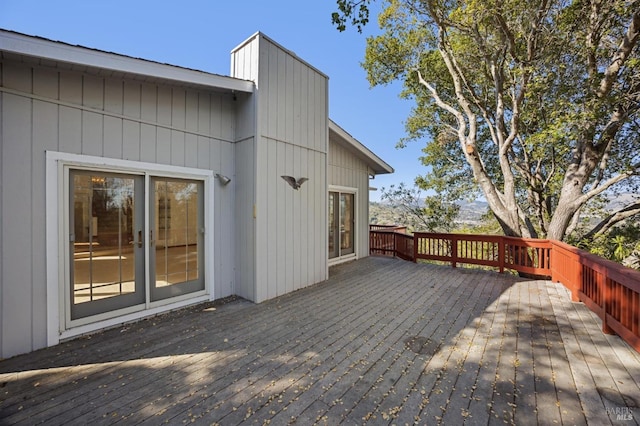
pixel 355 13
pixel 421 212
pixel 537 87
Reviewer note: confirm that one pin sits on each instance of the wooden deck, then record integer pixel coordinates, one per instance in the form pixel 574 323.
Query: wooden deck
pixel 384 341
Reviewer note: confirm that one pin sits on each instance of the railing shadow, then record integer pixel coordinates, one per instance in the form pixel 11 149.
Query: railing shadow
pixel 609 289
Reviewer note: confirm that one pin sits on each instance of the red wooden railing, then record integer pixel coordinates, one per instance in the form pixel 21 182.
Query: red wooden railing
pixel 609 289
pixel 393 228
pixel 391 240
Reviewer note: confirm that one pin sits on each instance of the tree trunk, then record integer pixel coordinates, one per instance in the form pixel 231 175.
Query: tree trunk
pixel 567 203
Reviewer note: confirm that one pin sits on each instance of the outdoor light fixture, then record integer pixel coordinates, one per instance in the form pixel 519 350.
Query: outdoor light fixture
pixel 224 180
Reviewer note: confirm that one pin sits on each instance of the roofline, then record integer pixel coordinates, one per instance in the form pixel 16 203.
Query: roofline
pixel 27 45
pixel 259 34
pixel 378 165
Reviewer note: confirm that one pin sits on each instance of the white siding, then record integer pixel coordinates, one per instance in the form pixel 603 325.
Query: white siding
pixel 290 236
pixel 44 108
pixel 245 198
pixel 244 215
pixel 292 138
pixel 269 239
pixel 347 170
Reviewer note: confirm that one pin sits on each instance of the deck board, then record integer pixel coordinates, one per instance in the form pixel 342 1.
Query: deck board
pixel 383 341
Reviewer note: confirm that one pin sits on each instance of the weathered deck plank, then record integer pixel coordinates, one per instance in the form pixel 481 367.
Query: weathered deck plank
pixel 382 342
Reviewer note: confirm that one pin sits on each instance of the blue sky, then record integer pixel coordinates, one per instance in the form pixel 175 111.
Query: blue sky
pixel 200 34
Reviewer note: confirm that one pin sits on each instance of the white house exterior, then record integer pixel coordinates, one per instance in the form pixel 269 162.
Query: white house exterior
pixel 129 187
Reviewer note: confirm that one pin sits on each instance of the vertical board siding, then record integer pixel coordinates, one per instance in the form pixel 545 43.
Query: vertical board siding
pixel 60 110
pixel 280 193
pixel 191 150
pixel 347 170
pixel 226 235
pixel 113 132
pixel 290 224
pixel 113 94
pixel 275 223
pixel 93 92
pixel 17 252
pixel 131 135
pixel 45 137
pixel 92 131
pixel 192 113
pixel 177 148
pixel 244 65
pixel 245 251
pixel 291 140
pixel 293 99
pixel 245 62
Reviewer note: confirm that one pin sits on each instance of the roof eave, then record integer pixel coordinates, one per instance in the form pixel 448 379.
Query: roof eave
pixel 61 52
pixel 374 162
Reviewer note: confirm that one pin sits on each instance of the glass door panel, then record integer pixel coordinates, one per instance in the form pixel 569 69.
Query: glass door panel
pixel 346 224
pixel 177 240
pixel 334 230
pixel 107 261
pixel 341 224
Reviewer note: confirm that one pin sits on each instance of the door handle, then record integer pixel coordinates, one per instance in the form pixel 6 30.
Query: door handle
pixel 140 239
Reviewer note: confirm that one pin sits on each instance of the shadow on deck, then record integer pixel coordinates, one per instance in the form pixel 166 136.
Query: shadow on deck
pixel 383 341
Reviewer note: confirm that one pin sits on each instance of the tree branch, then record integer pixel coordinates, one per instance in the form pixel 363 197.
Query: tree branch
pixel 633 171
pixel 624 50
pixel 613 219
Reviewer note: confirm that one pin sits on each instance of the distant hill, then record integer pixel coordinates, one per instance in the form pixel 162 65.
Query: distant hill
pixel 384 213
pixel 620 201
pixel 471 212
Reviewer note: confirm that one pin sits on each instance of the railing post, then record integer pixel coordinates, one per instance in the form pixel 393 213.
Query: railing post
pixel 415 247
pixel 553 262
pixel 576 277
pixel 454 250
pixel 605 285
pixel 501 254
pixel 395 244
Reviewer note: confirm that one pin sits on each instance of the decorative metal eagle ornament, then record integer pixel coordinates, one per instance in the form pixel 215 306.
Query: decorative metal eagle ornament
pixel 295 184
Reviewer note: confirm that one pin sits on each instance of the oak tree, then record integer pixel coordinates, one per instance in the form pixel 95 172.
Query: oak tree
pixel 533 103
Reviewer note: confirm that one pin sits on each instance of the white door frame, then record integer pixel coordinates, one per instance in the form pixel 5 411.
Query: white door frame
pixel 356 231
pixel 57 232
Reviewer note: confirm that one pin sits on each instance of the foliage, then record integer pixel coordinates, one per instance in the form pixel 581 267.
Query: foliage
pixel 418 212
pixel 533 104
pixel 357 10
pixel 621 244
pixel 633 261
pixel 488 225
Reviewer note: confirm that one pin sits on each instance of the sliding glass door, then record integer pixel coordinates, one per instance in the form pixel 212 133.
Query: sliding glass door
pixel 111 222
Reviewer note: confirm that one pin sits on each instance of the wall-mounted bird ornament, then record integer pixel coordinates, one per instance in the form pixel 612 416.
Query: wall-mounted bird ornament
pixel 295 184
